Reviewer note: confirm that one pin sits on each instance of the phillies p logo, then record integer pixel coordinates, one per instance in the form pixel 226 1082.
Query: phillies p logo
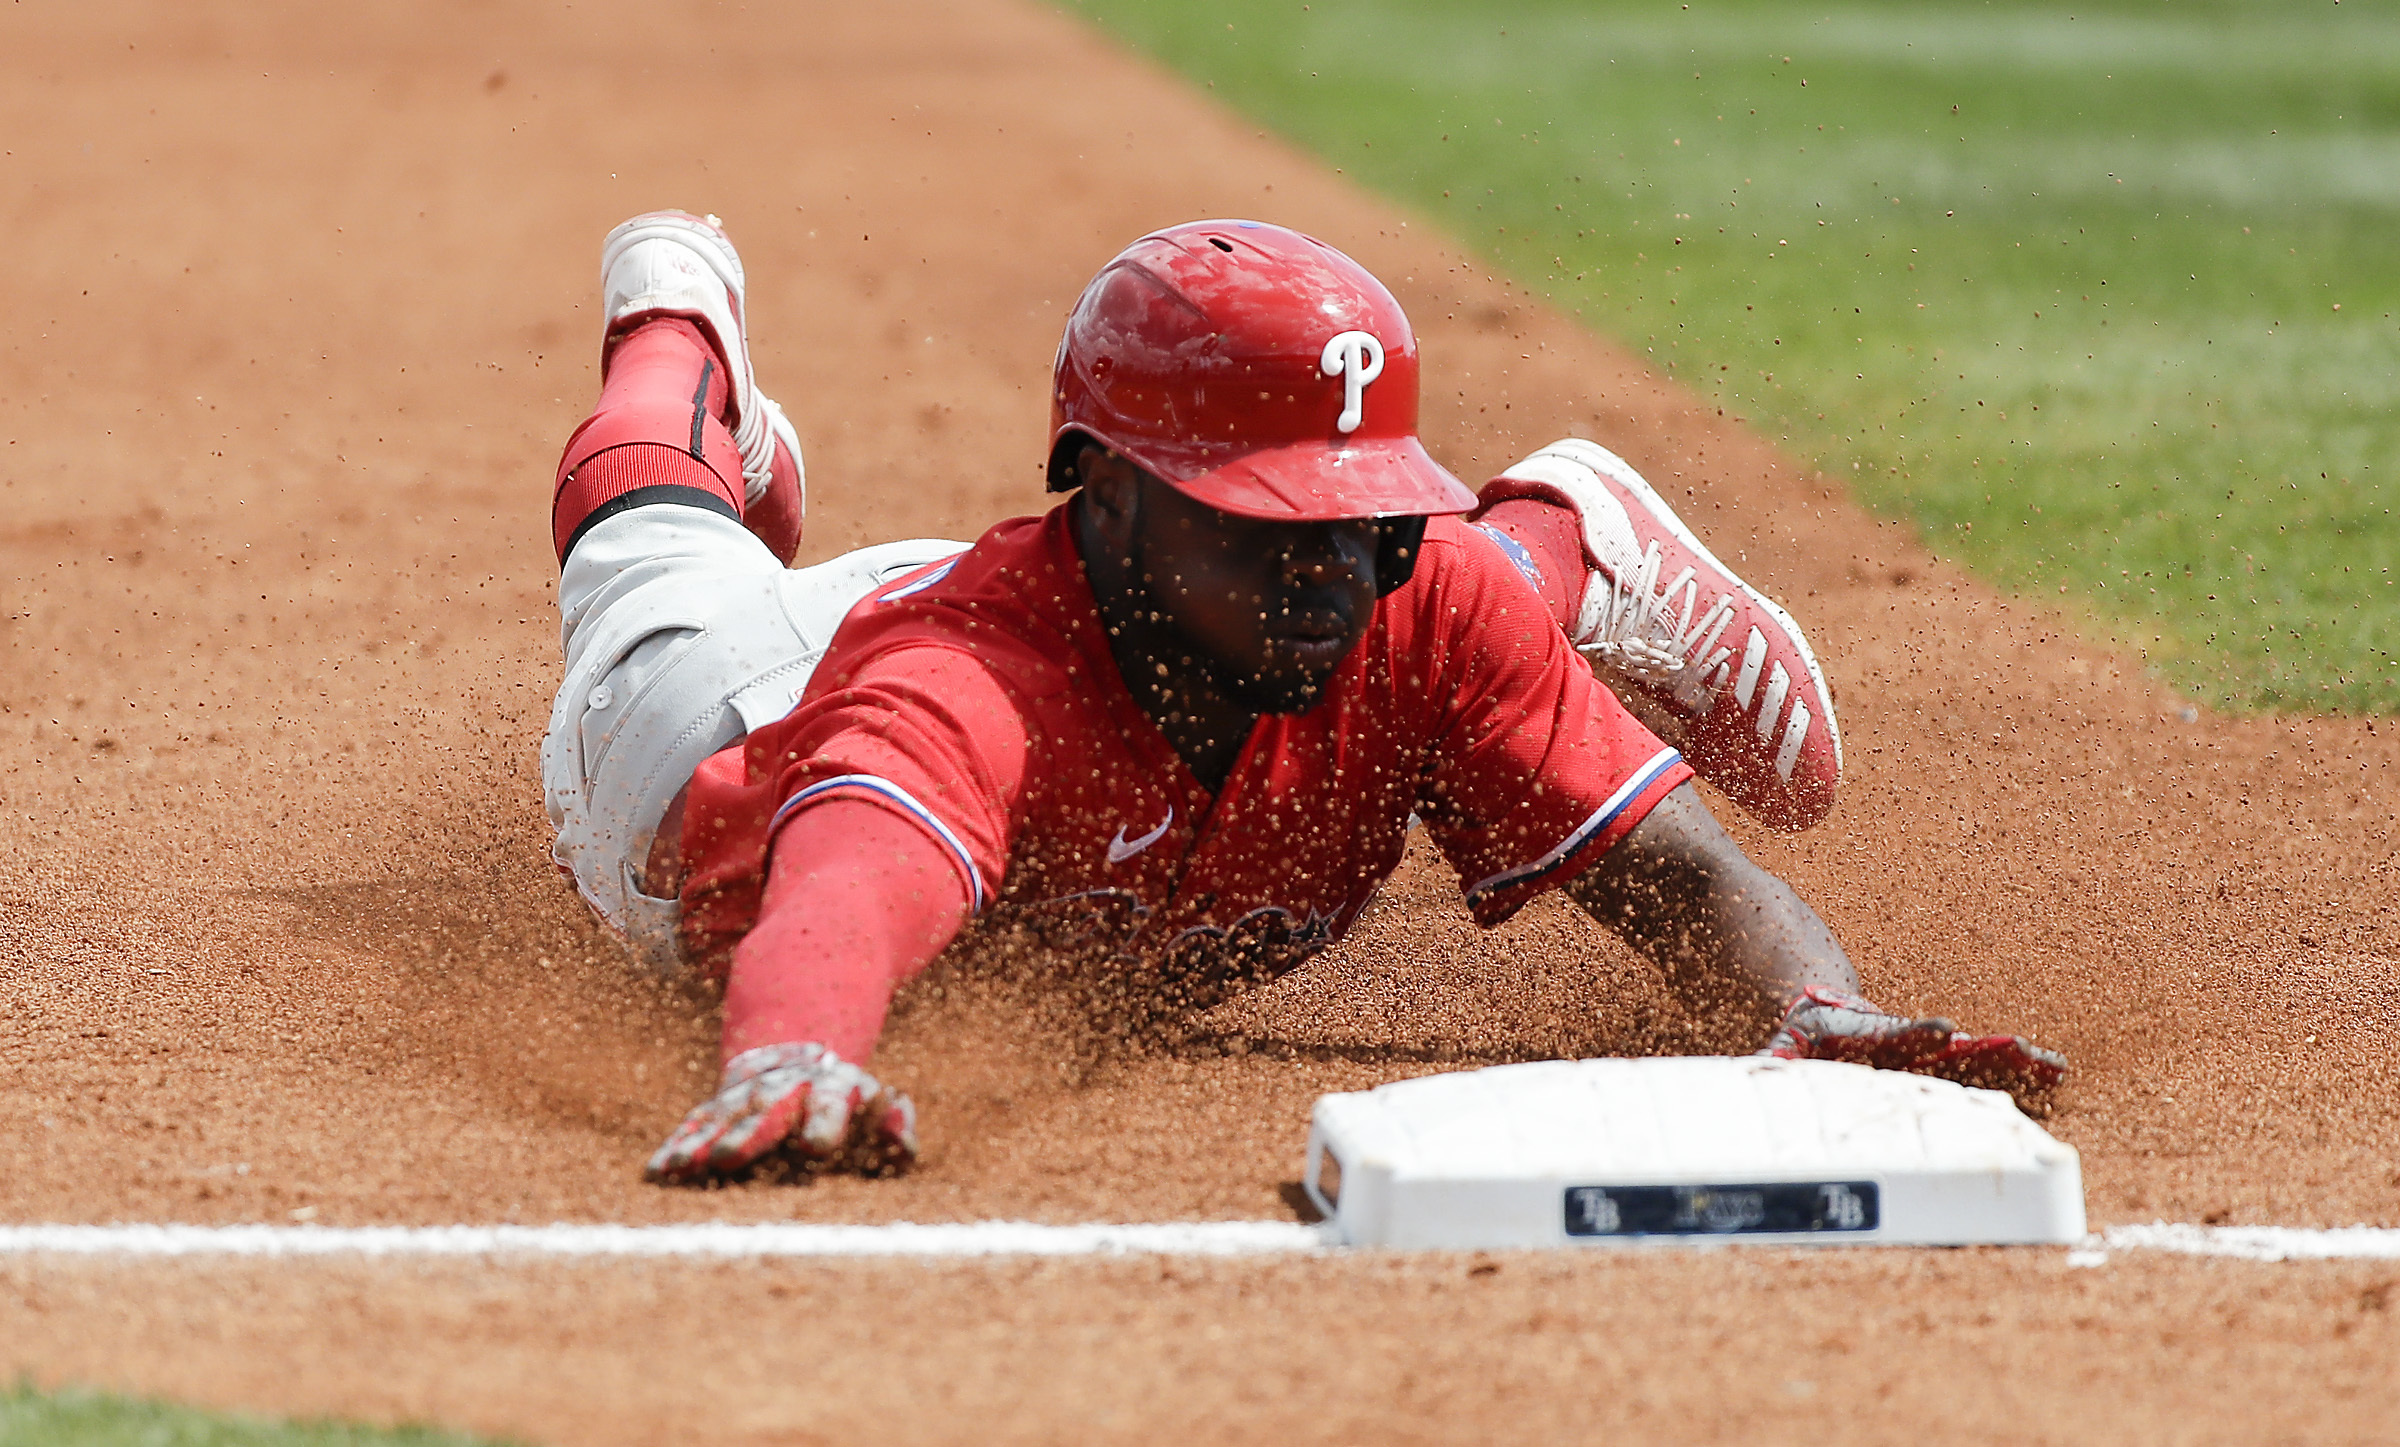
pixel 1356 358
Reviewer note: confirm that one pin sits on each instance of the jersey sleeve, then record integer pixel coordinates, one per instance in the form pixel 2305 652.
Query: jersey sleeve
pixel 1536 769
pixel 928 732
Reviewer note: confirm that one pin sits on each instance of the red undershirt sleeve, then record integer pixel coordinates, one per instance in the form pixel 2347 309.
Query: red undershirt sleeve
pixel 858 899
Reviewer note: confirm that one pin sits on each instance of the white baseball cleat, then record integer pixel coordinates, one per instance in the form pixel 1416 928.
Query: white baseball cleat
pixel 1661 613
pixel 676 264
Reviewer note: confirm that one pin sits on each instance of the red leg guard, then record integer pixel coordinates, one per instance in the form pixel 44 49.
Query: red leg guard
pixel 663 354
pixel 660 424
pixel 632 474
pixel 1553 536
pixel 656 426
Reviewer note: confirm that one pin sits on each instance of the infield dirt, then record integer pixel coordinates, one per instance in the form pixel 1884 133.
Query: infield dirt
pixel 300 308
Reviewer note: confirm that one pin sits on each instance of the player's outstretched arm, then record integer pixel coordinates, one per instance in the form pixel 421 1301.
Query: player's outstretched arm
pixel 857 900
pixel 1731 937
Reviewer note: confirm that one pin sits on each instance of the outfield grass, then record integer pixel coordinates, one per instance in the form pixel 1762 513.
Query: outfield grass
pixel 92 1419
pixel 2101 295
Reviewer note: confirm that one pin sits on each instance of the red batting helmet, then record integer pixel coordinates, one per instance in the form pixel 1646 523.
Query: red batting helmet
pixel 1255 370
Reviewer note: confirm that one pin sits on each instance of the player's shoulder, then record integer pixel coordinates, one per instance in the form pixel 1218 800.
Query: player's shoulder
pixel 1471 608
pixel 1012 605
pixel 1459 557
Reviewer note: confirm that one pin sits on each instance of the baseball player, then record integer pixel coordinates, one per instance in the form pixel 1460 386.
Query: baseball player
pixel 1179 726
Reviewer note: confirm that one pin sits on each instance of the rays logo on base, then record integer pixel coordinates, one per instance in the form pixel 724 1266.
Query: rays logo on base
pixel 1782 1208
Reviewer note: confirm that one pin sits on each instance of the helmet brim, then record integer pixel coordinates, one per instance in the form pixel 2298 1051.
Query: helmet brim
pixel 1371 477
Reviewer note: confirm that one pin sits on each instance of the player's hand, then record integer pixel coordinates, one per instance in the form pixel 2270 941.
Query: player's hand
pixel 1824 1025
pixel 802 1098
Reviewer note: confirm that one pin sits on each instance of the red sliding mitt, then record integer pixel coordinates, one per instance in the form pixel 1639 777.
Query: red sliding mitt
pixel 1824 1025
pixel 802 1097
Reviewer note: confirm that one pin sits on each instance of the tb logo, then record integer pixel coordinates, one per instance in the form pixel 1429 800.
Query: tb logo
pixel 1843 1210
pixel 1356 358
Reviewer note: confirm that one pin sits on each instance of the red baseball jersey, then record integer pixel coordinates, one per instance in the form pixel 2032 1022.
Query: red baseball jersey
pixel 978 698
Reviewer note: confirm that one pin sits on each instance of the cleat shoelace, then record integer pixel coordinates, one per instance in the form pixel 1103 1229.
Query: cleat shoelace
pixel 1661 635
pixel 754 439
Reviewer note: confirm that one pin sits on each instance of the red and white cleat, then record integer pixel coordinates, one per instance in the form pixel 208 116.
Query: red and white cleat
pixel 672 263
pixel 1663 615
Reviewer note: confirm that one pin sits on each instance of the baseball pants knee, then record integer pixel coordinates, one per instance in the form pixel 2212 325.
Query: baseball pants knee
pixel 682 634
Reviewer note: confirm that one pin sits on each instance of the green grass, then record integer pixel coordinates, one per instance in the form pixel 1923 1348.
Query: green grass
pixel 91 1419
pixel 2057 283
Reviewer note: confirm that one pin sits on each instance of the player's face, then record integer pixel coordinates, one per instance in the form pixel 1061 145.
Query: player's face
pixel 1273 606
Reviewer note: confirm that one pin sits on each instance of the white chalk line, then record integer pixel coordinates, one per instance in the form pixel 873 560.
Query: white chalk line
pixel 2245 1243
pixel 729 1241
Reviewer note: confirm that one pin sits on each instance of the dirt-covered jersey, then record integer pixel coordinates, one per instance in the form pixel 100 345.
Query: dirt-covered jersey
pixel 979 699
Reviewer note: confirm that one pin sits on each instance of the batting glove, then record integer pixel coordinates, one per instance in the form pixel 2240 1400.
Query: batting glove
pixel 803 1098
pixel 1824 1025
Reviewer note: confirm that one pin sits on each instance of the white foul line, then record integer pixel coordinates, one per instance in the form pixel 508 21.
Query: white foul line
pixel 2246 1243
pixel 728 1241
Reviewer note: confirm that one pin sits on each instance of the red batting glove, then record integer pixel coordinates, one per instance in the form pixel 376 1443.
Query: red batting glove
pixel 802 1097
pixel 2002 1062
pixel 1823 1025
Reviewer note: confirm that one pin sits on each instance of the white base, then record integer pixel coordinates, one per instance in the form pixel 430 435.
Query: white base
pixel 1678 1150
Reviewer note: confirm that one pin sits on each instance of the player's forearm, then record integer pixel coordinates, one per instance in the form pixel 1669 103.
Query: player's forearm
pixel 857 901
pixel 1726 933
pixel 1755 934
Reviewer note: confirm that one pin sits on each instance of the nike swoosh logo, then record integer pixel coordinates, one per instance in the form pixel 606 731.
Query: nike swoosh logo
pixel 1121 849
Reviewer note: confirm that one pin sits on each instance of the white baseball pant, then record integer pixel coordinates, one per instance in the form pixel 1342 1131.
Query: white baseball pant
pixel 682 634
